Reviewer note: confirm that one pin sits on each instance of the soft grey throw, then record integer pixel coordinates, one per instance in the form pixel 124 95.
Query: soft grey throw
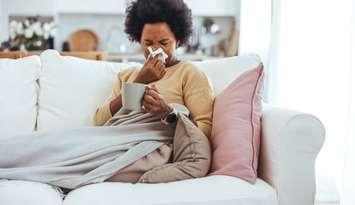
pixel 76 157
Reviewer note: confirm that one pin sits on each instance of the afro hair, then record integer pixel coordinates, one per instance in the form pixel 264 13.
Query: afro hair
pixel 174 13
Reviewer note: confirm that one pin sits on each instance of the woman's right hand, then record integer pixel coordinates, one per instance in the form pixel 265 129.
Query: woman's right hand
pixel 153 70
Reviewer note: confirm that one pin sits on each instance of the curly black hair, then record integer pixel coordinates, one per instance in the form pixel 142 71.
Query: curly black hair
pixel 175 13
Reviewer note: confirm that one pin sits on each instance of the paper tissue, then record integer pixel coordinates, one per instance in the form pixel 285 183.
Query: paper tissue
pixel 162 55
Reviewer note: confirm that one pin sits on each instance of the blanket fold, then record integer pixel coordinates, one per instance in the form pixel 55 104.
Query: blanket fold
pixel 76 157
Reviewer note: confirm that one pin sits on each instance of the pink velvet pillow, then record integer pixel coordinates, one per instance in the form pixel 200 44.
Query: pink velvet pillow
pixel 236 130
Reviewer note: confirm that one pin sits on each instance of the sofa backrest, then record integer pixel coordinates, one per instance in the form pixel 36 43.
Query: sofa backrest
pixel 18 95
pixel 223 71
pixel 70 89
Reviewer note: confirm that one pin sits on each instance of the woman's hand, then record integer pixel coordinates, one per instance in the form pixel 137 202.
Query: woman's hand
pixel 153 70
pixel 155 103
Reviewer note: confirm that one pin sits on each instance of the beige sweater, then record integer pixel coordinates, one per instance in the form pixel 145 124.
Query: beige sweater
pixel 183 83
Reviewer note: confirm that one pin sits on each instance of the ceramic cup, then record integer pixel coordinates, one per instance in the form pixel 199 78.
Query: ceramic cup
pixel 132 95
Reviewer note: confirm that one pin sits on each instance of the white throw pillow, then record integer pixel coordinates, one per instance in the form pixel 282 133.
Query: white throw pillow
pixel 72 88
pixel 222 72
pixel 18 95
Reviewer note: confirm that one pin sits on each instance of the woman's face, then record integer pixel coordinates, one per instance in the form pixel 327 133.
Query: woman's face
pixel 159 35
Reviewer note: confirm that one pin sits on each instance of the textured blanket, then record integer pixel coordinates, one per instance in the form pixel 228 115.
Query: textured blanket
pixel 76 157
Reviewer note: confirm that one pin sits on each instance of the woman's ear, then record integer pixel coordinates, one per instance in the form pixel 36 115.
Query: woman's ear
pixel 177 44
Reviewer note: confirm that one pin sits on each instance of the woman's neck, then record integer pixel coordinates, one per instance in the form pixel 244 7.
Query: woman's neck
pixel 172 62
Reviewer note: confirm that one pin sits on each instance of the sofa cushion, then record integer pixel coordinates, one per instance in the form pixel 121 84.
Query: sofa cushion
pixel 222 72
pixel 236 126
pixel 17 192
pixel 18 95
pixel 213 190
pixel 72 89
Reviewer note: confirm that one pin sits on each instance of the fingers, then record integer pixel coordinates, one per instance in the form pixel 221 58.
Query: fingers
pixel 151 108
pixel 162 73
pixel 150 61
pixel 153 60
pixel 160 68
pixel 150 99
pixel 159 63
pixel 147 106
pixel 153 70
pixel 153 91
pixel 154 87
pixel 154 102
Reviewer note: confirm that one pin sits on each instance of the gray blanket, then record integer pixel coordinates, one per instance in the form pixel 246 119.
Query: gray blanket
pixel 76 157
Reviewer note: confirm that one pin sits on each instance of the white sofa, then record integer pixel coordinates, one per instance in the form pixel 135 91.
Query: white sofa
pixel 49 92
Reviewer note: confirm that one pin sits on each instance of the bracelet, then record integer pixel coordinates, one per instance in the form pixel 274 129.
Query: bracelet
pixel 170 118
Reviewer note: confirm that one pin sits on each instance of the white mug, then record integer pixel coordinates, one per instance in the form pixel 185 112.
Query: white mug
pixel 132 95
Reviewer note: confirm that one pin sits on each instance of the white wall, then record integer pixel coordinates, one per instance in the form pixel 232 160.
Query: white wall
pixel 237 13
pixel 255 29
pixel 3 23
pixel 213 7
pixel 91 6
pixel 30 7
pixel 209 7
pixel 55 7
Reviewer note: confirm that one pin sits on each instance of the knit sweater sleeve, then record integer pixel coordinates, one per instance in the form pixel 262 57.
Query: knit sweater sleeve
pixel 103 113
pixel 198 98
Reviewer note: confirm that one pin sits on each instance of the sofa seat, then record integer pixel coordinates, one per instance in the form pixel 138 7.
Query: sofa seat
pixel 211 190
pixel 17 192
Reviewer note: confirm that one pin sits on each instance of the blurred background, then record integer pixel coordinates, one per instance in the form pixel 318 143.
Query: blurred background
pixel 98 25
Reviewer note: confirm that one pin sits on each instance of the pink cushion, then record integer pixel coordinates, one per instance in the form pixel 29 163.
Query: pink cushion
pixel 235 134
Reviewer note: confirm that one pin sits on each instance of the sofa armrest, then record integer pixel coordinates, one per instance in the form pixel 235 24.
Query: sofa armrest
pixel 290 143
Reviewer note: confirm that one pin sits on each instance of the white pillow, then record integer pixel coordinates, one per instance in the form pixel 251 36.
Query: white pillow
pixel 72 89
pixel 223 71
pixel 18 95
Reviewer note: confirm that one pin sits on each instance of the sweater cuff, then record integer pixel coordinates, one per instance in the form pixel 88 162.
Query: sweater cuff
pixel 103 114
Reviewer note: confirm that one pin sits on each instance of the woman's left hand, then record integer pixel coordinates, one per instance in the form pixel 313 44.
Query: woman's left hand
pixel 155 103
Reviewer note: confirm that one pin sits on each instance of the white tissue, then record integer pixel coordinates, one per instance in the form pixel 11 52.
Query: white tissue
pixel 162 55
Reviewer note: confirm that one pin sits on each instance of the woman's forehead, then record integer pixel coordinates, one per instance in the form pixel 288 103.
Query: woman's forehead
pixel 156 31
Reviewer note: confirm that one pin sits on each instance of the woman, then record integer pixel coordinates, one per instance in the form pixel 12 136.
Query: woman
pixel 165 24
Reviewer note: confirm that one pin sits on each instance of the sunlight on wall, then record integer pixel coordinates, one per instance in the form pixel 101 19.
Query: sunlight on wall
pixel 314 76
pixel 255 28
